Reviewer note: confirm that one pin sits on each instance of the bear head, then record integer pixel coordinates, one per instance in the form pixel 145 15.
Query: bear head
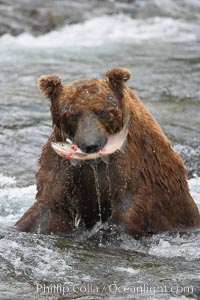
pixel 87 111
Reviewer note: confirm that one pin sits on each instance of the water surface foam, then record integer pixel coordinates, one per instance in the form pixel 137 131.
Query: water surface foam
pixel 108 29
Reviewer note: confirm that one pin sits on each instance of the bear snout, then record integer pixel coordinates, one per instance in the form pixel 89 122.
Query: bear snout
pixel 90 135
pixel 92 148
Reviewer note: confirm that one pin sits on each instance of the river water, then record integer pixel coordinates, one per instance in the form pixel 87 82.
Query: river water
pixel 160 44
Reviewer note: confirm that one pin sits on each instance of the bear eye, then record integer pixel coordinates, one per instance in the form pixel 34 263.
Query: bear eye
pixel 63 107
pixel 111 98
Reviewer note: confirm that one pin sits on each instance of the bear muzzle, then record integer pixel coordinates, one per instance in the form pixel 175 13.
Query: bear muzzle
pixel 90 135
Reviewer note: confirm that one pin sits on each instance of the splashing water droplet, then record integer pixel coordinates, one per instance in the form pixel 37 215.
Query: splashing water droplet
pixel 94 167
pixel 109 186
pixel 95 170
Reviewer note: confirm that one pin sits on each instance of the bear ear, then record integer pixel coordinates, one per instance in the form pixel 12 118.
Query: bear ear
pixel 117 78
pixel 118 74
pixel 49 85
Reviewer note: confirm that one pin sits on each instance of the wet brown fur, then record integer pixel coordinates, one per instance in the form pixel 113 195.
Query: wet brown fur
pixel 148 191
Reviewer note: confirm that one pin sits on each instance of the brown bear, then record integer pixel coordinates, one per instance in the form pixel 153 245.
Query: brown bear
pixel 142 191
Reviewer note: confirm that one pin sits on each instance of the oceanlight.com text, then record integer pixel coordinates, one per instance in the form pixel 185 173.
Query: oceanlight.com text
pixel 113 288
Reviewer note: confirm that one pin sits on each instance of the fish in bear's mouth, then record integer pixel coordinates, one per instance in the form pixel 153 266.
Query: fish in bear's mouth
pixel 115 142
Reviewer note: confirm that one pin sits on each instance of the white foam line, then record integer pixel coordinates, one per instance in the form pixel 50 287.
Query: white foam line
pixel 6 181
pixel 106 29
